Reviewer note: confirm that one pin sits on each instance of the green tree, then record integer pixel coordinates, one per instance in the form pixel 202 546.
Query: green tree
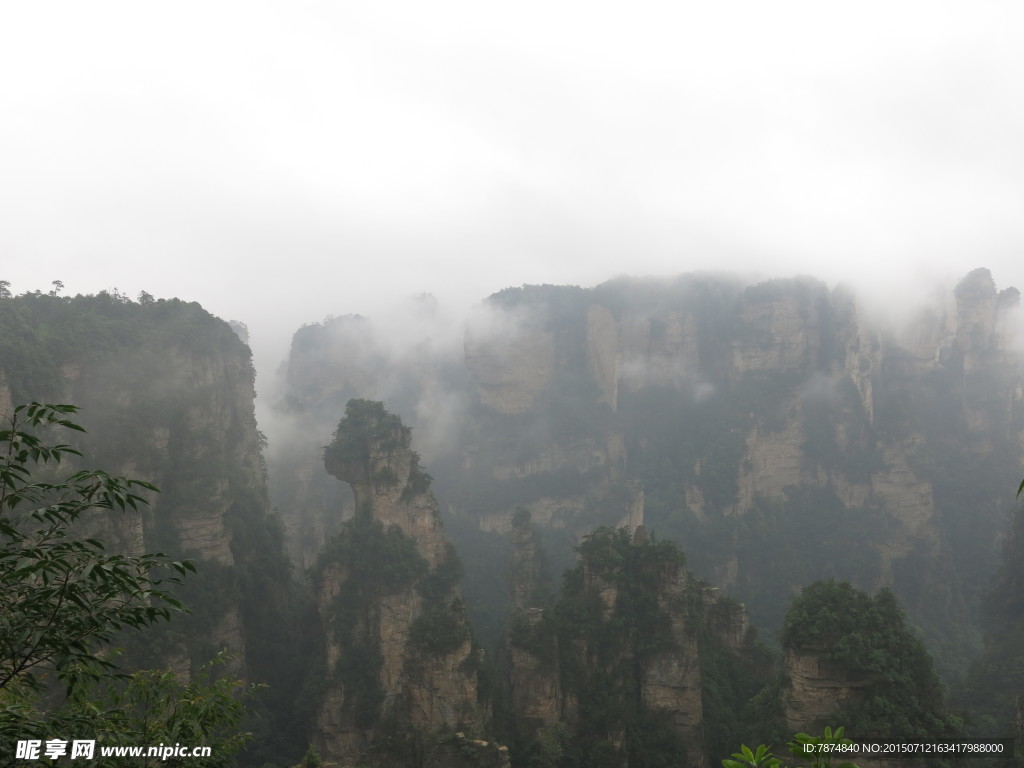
pixel 64 599
pixel 899 695
pixel 310 760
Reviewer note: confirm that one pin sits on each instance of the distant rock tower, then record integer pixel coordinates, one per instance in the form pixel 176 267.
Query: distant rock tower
pixel 399 655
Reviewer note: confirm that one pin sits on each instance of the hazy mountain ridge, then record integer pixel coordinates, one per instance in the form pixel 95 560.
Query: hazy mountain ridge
pixel 740 417
pixel 770 430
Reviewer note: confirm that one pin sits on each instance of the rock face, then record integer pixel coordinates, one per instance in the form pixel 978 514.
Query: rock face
pixel 817 689
pixel 534 683
pixel 756 399
pixel 534 678
pixel 528 571
pixel 670 681
pixel 728 417
pixel 398 653
pixel 6 404
pixel 512 370
pixel 371 452
pixel 166 394
pixel 411 368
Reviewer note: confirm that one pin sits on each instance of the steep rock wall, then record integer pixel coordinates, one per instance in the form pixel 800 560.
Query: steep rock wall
pixel 817 689
pixel 389 591
pixel 769 394
pixel 166 394
pixel 776 412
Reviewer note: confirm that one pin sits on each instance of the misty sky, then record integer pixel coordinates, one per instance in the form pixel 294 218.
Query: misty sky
pixel 280 162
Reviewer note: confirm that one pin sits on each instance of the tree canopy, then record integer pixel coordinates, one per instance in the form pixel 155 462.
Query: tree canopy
pixel 900 695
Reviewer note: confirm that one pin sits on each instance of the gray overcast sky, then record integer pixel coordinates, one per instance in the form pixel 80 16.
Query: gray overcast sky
pixel 279 162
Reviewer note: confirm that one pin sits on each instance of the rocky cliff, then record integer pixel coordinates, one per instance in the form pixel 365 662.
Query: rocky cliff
pixel 166 392
pixel 399 660
pixel 773 412
pixel 408 366
pixel 775 430
pixel 533 668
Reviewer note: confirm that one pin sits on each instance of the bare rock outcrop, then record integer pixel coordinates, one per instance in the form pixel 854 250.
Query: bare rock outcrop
pixel 512 368
pixel 817 689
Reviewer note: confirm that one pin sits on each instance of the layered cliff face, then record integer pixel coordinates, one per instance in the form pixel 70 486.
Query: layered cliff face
pixel 400 665
pixel 771 413
pixel 534 676
pixel 817 688
pixel 166 393
pixel 729 417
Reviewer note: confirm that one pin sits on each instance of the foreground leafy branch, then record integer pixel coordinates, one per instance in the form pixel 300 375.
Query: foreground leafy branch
pixel 816 749
pixel 61 596
pixel 64 598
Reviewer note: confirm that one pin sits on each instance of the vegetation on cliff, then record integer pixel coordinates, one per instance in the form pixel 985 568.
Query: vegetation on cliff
pixel 689 400
pixel 754 417
pixel 376 562
pixel 897 692
pixel 366 427
pixel 622 606
pixel 625 607
pixel 388 600
pixel 43 335
pixel 167 392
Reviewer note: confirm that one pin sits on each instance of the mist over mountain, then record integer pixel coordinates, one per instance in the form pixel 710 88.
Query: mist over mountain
pixel 549 385
pixel 733 417
pixel 694 453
